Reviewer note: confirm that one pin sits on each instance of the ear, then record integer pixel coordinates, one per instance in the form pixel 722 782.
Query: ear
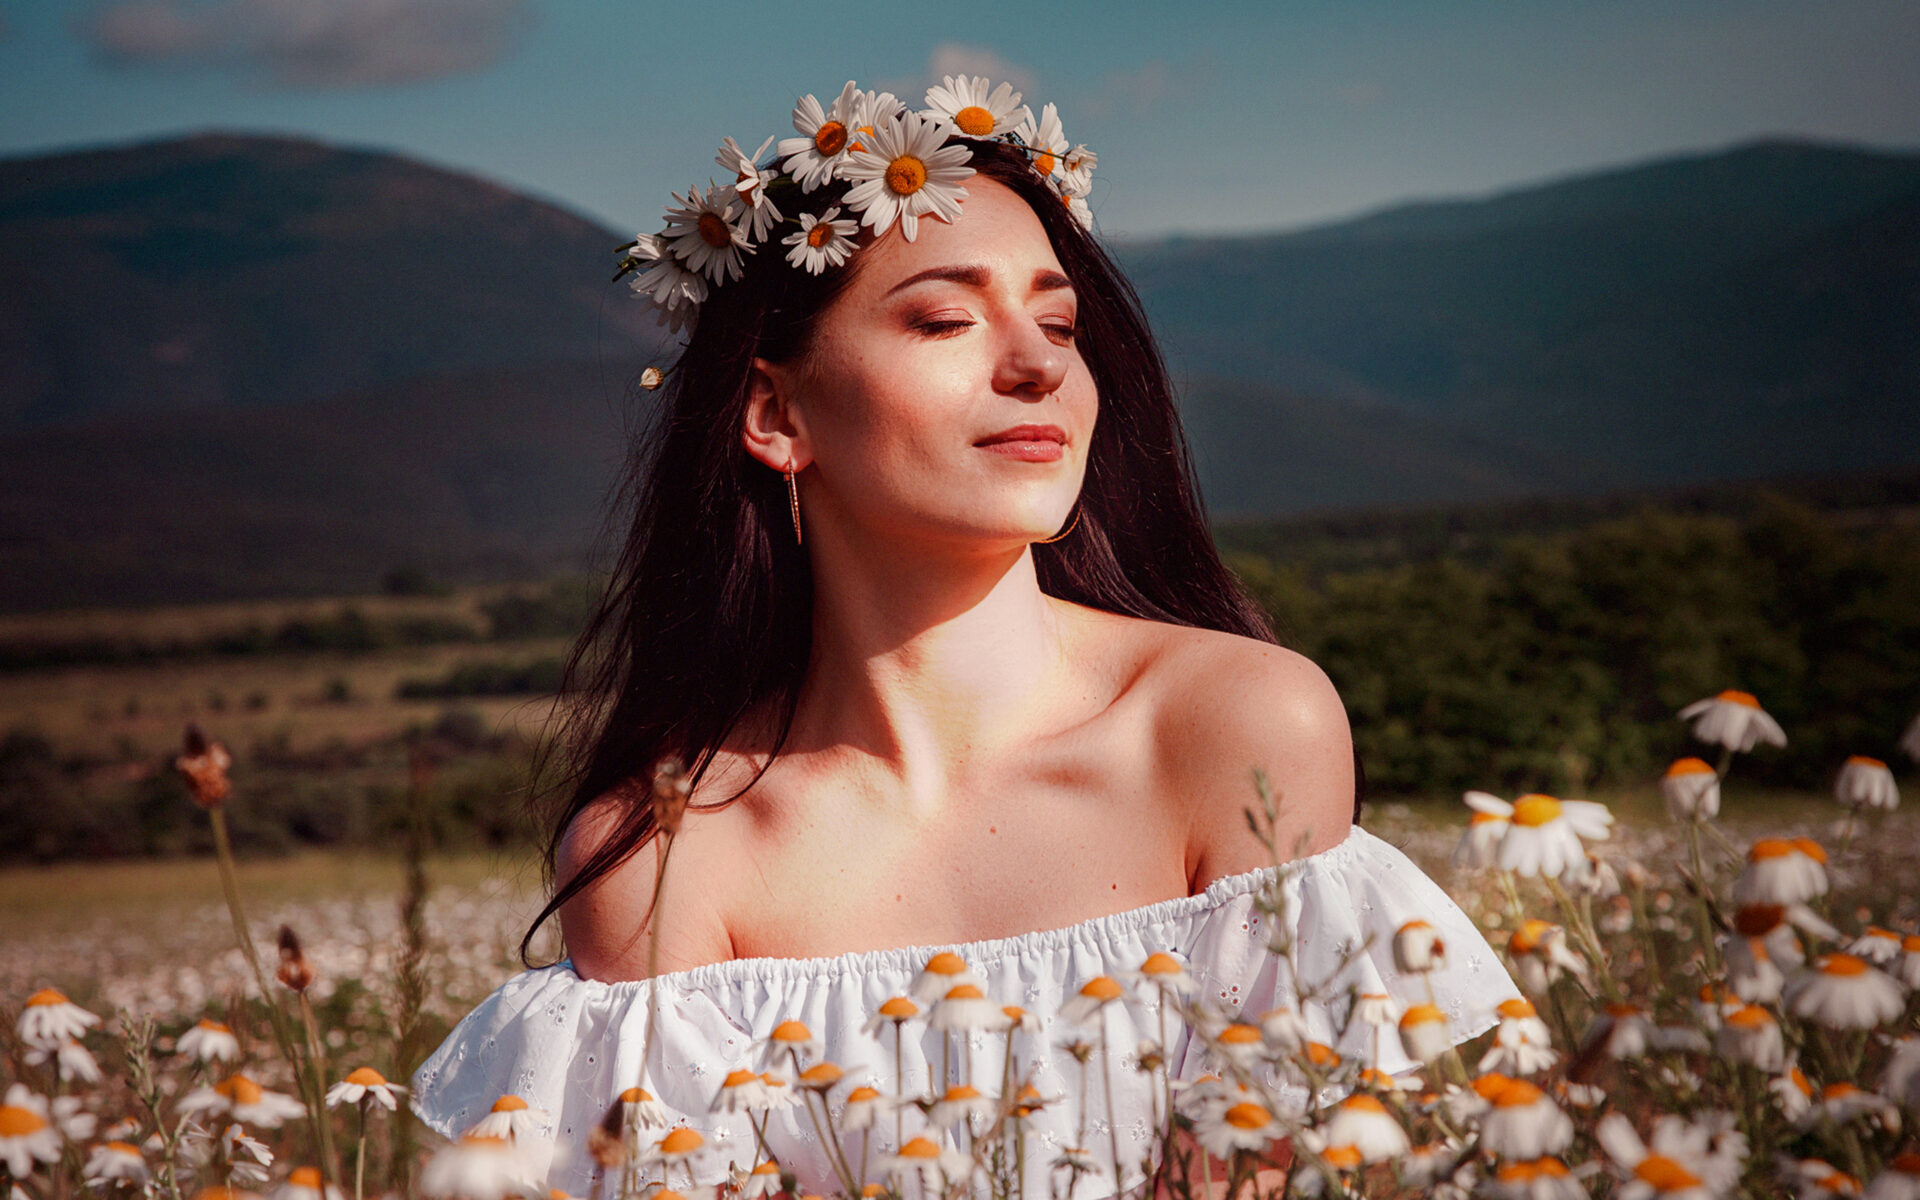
pixel 774 429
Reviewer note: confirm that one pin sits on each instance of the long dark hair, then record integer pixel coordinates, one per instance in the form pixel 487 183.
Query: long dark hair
pixel 708 613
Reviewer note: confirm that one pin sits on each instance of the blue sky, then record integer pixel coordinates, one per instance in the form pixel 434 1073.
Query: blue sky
pixel 1207 117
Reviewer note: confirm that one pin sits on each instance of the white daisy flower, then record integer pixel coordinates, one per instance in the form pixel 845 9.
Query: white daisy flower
pixel 1019 1020
pixel 826 135
pixel 1539 953
pixel 965 103
pixel 1091 1000
pixel 660 277
pixel 1237 1044
pixel 961 1103
pixel 821 1077
pixel 1750 1035
pixel 246 1159
pixel 1677 1166
pixel 1364 1123
pixel 821 241
pixel 965 1008
pixel 703 234
pixel 903 172
pixel 679 1145
pixel 1285 1030
pixel 244 1100
pixel 1417 948
pixel 1817 1179
pixel 1878 946
pixel 1480 844
pixel 743 1091
pixel 944 971
pixel 1522 1044
pixel 1734 720
pixel 1900 1181
pixel 1840 991
pixel 1522 1122
pixel 865 1106
pixel 1079 210
pixel 1791 1090
pixel 1164 972
pixel 49 1018
pixel 209 1041
pixel 1046 143
pixel 1843 1102
pixel 1535 1179
pixel 75 1062
pixel 896 1011
pixel 789 1039
pixel 642 1111
pixel 366 1083
pixel 763 1180
pixel 27 1133
pixel 1544 835
pixel 1424 1034
pixel 476 1168
pixel 936 1166
pixel 1781 871
pixel 304 1183
pixel 1908 968
pixel 1866 783
pixel 1226 1128
pixel 1339 1158
pixel 1076 171
pixel 1751 971
pixel 1900 1078
pixel 116 1162
pixel 1692 790
pixel 71 1118
pixel 512 1118
pixel 750 185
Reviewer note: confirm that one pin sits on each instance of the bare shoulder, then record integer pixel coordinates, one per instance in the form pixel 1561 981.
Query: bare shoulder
pixel 609 925
pixel 1228 705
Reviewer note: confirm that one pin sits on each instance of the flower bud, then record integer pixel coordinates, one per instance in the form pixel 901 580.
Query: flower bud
pixel 203 763
pixel 294 971
pixel 671 787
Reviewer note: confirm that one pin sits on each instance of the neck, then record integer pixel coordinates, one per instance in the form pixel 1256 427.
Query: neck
pixel 927 661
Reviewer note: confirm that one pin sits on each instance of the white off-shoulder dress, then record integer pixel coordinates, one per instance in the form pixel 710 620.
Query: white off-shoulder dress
pixel 569 1046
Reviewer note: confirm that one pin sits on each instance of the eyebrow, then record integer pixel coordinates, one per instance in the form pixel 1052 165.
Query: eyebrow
pixel 1044 280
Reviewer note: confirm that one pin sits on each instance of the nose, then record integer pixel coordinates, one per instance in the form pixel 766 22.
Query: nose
pixel 1031 365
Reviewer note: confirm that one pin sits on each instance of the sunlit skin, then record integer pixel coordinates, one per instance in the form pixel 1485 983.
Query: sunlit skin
pixel 971 758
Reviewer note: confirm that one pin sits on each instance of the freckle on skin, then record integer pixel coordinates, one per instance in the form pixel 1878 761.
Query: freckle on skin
pixel 896 895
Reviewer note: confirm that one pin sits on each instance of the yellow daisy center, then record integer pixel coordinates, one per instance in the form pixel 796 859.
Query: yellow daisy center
pixel 1321 1055
pixel 1535 810
pixel 1812 849
pixel 681 1141
pixel 306 1177
pixel 1800 1081
pixel 1101 987
pixel 1517 1094
pixel 714 231
pixel 1842 964
pixel 1043 162
pixel 830 139
pixel 817 237
pixel 769 1167
pixel 1014 1013
pixel 1689 766
pixel 212 1027
pixel 1247 1115
pixel 1767 848
pixel 18 1122
pixel 821 1075
pixel 906 175
pixel 509 1104
pixel 1756 920
pixel 1485 818
pixel 366 1077
pixel 126 1148
pixel 974 121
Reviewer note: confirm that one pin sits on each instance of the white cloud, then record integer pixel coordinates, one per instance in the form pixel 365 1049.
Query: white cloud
pixel 312 43
pixel 955 58
pixel 1138 90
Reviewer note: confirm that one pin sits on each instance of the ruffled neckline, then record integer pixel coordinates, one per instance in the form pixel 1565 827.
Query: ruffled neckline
pixel 986 952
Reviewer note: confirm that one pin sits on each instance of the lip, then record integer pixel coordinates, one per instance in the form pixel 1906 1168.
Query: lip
pixel 1027 433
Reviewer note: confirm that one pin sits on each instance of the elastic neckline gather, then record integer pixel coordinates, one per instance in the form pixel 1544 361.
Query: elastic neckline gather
pixel 985 952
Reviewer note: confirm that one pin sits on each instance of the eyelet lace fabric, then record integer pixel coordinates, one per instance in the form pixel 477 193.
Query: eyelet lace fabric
pixel 569 1045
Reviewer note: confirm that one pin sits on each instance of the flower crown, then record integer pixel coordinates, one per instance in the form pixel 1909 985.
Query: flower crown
pixel 898 161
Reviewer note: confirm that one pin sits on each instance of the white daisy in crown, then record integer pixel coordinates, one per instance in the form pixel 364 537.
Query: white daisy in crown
pixel 965 103
pixel 703 235
pixel 1046 142
pixel 826 135
pixel 661 278
pixel 750 184
pixel 906 173
pixel 821 242
pixel 1076 170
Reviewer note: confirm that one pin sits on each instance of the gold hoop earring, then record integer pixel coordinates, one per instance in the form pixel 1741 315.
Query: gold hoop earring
pixel 1064 532
pixel 793 504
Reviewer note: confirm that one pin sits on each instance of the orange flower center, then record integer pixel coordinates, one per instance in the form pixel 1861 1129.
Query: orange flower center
pixel 1363 1103
pixel 509 1104
pixel 681 1141
pixel 919 1148
pixel 862 1094
pixel 126 1148
pixel 1861 760
pixel 1535 810
pixel 1239 1034
pixel 899 1008
pixel 1842 964
pixel 1744 699
pixel 1321 1055
pixel 974 121
pixel 1750 1017
pixel 1767 848
pixel 1812 849
pixel 1422 1014
pixel 906 175
pixel 946 963
pixel 817 237
pixel 1689 766
pixel 366 1077
pixel 19 1122
pixel 962 1092
pixel 791 1031
pixel 1514 1009
pixel 306 1177
pixel 241 1090
pixel 769 1167
pixel 1248 1115
pixel 714 231
pixel 830 139
pixel 1664 1173
pixel 821 1075
pixel 1160 964
pixel 1756 920
pixel 736 1078
pixel 1517 1094
pixel 634 1095
pixel 1101 987
pixel 1342 1158
pixel 1043 162
pixel 965 991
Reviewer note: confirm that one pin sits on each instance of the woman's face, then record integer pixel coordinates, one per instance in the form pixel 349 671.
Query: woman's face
pixel 944 396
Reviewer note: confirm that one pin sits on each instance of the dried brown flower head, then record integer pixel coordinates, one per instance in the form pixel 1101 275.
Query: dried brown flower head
pixel 606 1143
pixel 294 971
pixel 203 763
pixel 671 787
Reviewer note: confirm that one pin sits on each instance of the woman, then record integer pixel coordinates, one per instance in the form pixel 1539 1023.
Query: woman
pixel 920 588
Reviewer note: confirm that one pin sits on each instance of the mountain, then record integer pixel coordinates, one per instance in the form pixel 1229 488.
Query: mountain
pixel 224 272
pixel 1742 313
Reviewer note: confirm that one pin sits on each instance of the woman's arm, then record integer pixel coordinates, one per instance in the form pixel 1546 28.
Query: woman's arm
pixel 609 924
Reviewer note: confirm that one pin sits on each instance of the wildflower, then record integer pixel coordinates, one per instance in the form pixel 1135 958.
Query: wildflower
pixel 513 1119
pixel 961 1103
pixel 209 1041
pixel 931 1162
pixel 1781 872
pixel 1907 970
pixel 1164 971
pixel 1791 1089
pixel 895 1012
pixel 1840 991
pixel 822 241
pixel 1691 789
pixel 821 1076
pixel 943 972
pixel 1028 1101
pixel 1429 1163
pixel 1878 946
pixel 1536 1179
pixel 1538 950
pixel 116 1162
pixel 1521 1122
pixel 1238 1044
pixel 903 172
pixel 72 1119
pixel 1340 1158
pixel 1480 844
pixel 1624 1031
pixel 865 1106
pixel 743 1091
pixel 964 103
pixel 49 1018
pixel 1417 948
pixel 203 762
pixel 1842 1102
pixel 749 185
pixel 1046 143
pixel 826 135
pixel 1076 1161
pixel 244 1100
pixel 1247 1125
pixel 965 1008
pixel 365 1083
pixel 1866 783
pixel 1091 1000
pixel 1900 1078
pixel 1900 1181
pixel 1364 1123
pixel 679 1145
pixel 1678 1165
pixel 788 1039
pixel 26 1131
pixel 642 1111
pixel 294 970
pixel 1376 1009
pixel 763 1180
pixel 1734 720
pixel 1750 1035
pixel 1284 1029
pixel 1751 972
pixel 1317 1058
pixel 1020 1020
pixel 1149 1056
pixel 1817 1179
pixel 1195 1096
pixel 1544 835
pixel 304 1183
pixel 477 1167
pixel 662 278
pixel 1522 1045
pixel 74 1061
pixel 704 235
pixel 1423 1033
